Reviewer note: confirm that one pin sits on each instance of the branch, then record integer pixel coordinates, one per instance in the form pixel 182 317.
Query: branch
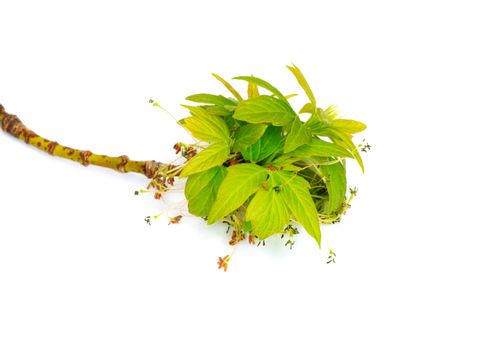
pixel 12 125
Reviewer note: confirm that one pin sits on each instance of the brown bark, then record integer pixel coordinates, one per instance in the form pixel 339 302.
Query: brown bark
pixel 12 125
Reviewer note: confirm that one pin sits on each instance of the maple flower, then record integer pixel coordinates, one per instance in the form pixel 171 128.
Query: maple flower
pixel 224 262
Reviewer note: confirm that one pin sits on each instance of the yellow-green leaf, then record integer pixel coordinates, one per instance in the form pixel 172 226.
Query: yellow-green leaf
pixel 267 211
pixel 206 127
pixel 247 135
pixel 335 178
pixel 252 90
pixel 213 155
pixel 303 82
pixel 266 146
pixel 307 108
pixel 201 190
pixel 263 84
pixel 218 100
pixel 319 148
pixel 265 109
pixel 241 181
pixel 332 112
pixel 298 135
pixel 318 121
pixel 295 192
pixel 348 125
pixel 343 139
pixel 228 86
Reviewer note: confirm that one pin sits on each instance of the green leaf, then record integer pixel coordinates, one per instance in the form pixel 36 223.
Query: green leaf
pixel 304 84
pixel 217 111
pixel 297 136
pixel 265 109
pixel 343 139
pixel 319 148
pixel 335 178
pixel 228 86
pixel 218 100
pixel 213 155
pixel 286 164
pixel 266 146
pixel 267 212
pixel 206 127
pixel 247 226
pixel 318 122
pixel 295 192
pixel 348 125
pixel 242 181
pixel 247 135
pixel 307 108
pixel 263 84
pixel 201 189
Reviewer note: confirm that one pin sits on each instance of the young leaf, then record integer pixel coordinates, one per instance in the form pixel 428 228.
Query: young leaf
pixel 331 112
pixel 252 90
pixel 263 84
pixel 319 148
pixel 348 125
pixel 201 189
pixel 304 84
pixel 318 121
pixel 267 211
pixel 298 135
pixel 335 179
pixel 218 100
pixel 247 135
pixel 211 156
pixel 265 109
pixel 206 127
pixel 218 111
pixel 307 108
pixel 242 181
pixel 295 192
pixel 228 86
pixel 343 139
pixel 267 145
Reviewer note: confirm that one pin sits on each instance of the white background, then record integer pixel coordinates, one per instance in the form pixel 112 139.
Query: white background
pixel 79 267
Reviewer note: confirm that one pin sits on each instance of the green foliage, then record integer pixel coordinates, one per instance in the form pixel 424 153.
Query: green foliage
pixel 213 155
pixel 247 135
pixel 298 135
pixel 263 84
pixel 228 86
pixel 304 84
pixel 206 127
pixel 217 100
pixel 265 109
pixel 295 192
pixel 267 211
pixel 348 125
pixel 334 176
pixel 242 180
pixel 261 167
pixel 318 148
pixel 267 145
pixel 201 189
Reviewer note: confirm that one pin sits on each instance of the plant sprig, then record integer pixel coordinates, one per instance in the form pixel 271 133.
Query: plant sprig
pixel 260 167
